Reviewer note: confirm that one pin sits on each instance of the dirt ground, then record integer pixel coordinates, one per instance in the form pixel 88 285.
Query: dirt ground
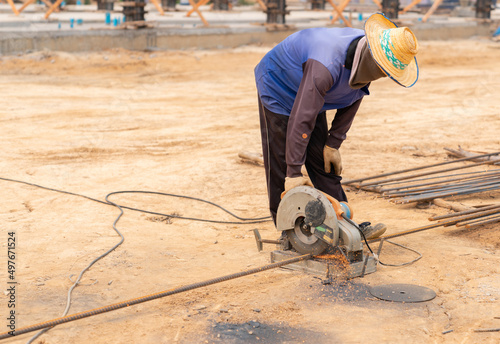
pixel 174 122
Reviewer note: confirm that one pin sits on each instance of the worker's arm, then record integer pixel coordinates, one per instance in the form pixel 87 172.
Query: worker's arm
pixel 316 81
pixel 341 124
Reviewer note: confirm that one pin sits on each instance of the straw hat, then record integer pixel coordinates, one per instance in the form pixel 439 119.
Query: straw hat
pixel 393 48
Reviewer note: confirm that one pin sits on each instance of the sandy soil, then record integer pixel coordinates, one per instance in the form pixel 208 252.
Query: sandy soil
pixel 174 122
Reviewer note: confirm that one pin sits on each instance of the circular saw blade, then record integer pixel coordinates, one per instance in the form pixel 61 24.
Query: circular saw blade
pixel 403 293
pixel 304 202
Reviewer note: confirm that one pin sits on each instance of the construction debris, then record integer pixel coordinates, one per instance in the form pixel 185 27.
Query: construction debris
pixel 251 157
pixel 455 206
pixel 462 153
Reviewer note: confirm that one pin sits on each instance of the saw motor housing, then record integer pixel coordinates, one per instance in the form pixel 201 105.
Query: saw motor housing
pixel 309 220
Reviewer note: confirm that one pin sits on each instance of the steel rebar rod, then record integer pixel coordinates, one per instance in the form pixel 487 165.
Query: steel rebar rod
pixel 479 182
pixel 414 230
pixel 447 192
pixel 480 220
pixel 436 177
pixel 470 178
pixel 421 191
pixel 410 231
pixel 417 193
pixel 423 174
pixel 465 191
pixel 469 226
pixel 150 297
pixel 471 216
pixel 487 330
pixel 465 212
pixel 421 168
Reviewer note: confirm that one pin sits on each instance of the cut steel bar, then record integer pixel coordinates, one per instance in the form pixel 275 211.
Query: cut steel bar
pixel 414 230
pixel 424 174
pixel 410 231
pixel 487 330
pixel 472 216
pixel 418 168
pixel 465 212
pixel 465 191
pixel 479 222
pixel 150 297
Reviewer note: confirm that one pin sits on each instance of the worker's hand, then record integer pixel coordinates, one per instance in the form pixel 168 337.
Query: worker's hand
pixel 332 157
pixel 292 182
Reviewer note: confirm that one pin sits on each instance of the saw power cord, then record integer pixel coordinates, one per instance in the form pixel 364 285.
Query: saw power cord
pixel 242 219
pixel 122 238
pixel 75 284
pixel 376 256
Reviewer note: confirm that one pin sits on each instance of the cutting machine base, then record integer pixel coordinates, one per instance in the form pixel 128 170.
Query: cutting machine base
pixel 328 268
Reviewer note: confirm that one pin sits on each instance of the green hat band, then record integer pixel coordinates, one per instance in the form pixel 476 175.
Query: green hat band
pixel 386 43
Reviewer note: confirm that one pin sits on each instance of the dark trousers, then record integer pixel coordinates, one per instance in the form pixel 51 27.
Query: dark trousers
pixel 273 132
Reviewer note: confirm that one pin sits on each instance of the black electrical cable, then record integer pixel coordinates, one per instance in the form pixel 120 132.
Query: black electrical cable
pixel 242 219
pixel 77 282
pixel 376 256
pixel 51 189
pixel 406 248
pixel 122 238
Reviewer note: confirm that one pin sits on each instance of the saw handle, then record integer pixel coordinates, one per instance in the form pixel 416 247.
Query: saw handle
pixel 336 205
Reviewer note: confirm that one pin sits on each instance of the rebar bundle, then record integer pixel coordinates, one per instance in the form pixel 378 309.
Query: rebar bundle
pixel 433 183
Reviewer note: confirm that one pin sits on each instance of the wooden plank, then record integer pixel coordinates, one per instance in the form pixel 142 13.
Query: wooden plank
pixel 451 205
pixel 252 157
pixel 462 153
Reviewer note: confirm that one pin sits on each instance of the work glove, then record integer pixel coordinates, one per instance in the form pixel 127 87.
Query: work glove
pixel 332 157
pixel 292 182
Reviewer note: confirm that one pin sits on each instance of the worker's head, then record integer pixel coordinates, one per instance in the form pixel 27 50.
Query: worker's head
pixel 393 49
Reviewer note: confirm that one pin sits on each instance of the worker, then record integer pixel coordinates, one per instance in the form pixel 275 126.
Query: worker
pixel 310 72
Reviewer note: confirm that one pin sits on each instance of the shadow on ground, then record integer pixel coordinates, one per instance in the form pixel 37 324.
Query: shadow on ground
pixel 257 332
